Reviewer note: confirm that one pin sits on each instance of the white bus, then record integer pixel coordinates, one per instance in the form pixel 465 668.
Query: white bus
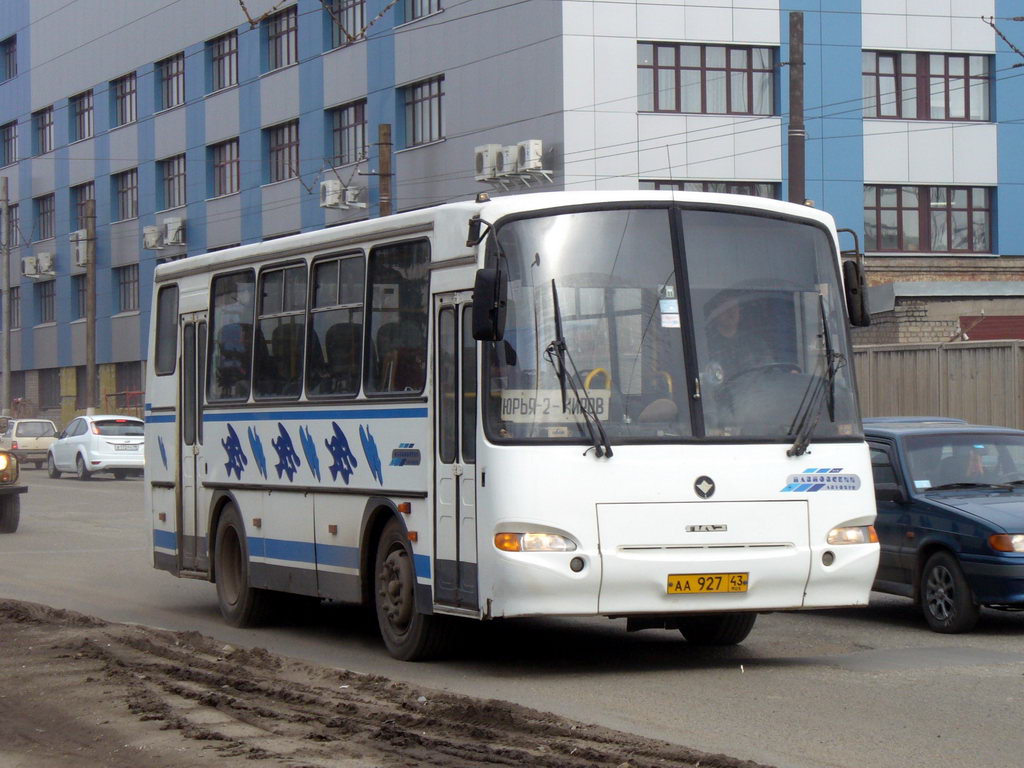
pixel 623 404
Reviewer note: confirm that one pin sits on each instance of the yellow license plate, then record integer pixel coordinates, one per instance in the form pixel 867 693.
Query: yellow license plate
pixel 704 583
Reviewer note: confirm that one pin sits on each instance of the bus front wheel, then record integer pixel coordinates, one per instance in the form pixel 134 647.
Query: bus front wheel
pixel 717 628
pixel 408 634
pixel 10 513
pixel 240 603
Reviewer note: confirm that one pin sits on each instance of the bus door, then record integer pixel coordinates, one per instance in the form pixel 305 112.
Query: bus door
pixel 455 535
pixel 190 431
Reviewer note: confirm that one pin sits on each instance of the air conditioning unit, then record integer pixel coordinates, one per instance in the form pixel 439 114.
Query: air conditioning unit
pixel 506 162
pixel 530 156
pixel 353 196
pixel 332 194
pixel 79 244
pixel 152 239
pixel 28 266
pixel 486 161
pixel 45 263
pixel 174 231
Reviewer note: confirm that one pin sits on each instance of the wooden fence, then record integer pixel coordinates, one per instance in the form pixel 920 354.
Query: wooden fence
pixel 980 381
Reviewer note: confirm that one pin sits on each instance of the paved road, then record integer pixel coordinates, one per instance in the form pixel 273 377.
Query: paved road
pixel 855 688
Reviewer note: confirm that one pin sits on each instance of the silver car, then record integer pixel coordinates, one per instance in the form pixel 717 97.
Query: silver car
pixel 111 443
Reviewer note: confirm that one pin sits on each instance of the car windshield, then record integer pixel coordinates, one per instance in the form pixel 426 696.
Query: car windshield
pixel 681 323
pixel 974 459
pixel 119 428
pixel 35 429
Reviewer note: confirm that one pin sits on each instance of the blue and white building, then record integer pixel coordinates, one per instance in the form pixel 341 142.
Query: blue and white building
pixel 196 125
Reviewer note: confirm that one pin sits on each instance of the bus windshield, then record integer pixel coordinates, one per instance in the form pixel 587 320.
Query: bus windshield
pixel 678 324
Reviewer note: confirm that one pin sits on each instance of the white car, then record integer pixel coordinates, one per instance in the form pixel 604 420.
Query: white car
pixel 91 444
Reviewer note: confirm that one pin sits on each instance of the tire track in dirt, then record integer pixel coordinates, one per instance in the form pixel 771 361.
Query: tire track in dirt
pixel 252 705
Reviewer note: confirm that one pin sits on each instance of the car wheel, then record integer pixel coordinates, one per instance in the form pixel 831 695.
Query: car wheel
pixel 408 634
pixel 51 467
pixel 717 628
pixel 120 474
pixel 241 604
pixel 80 471
pixel 10 513
pixel 37 464
pixel 946 598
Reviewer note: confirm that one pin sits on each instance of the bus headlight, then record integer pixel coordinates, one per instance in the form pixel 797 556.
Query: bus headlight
pixel 533 542
pixel 1007 542
pixel 854 534
pixel 8 469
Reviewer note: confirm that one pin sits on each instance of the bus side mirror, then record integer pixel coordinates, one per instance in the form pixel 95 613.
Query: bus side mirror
pixel 856 295
pixel 490 298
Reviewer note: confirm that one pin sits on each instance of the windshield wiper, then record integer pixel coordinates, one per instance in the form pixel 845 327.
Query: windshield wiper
pixel 821 390
pixel 557 353
pixel 954 486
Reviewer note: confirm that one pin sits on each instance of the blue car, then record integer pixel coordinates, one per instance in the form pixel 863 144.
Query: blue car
pixel 950 516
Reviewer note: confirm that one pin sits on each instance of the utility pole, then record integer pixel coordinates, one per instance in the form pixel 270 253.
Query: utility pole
pixel 797 134
pixel 384 167
pixel 5 299
pixel 90 306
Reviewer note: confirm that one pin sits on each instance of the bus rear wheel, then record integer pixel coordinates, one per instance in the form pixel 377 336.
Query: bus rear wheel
pixel 408 634
pixel 241 604
pixel 717 628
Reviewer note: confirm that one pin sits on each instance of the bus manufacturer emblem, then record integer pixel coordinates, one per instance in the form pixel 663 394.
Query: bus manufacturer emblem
pixel 707 528
pixel 704 487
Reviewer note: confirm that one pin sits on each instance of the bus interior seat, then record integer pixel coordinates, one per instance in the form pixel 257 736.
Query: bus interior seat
pixel 401 355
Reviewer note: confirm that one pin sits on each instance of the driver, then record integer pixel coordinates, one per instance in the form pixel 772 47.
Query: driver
pixel 734 343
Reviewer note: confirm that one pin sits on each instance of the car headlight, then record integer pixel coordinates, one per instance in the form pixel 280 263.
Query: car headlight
pixel 853 534
pixel 533 542
pixel 1007 542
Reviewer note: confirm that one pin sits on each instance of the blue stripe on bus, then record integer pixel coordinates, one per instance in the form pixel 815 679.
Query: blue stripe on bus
pixel 165 539
pixel 298 551
pixel 363 413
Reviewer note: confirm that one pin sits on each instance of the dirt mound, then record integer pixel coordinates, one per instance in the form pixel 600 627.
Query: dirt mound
pixel 90 692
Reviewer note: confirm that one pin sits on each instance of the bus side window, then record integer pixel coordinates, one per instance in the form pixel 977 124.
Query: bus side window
pixel 336 327
pixel 398 314
pixel 231 333
pixel 280 333
pixel 166 330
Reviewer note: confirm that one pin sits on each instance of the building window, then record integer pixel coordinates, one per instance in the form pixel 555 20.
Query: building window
pixel 78 289
pixel 49 387
pixel 170 80
pixel 14 237
pixel 9 58
pixel 14 297
pixel 223 52
pixel 224 157
pixel 127 288
pixel 347 19
pixel 283 143
pixel 9 143
pixel 172 175
pixel 926 86
pixel 424 120
pixel 126 186
pixel 128 378
pixel 417 9
pixel 348 133
pixel 705 79
pixel 282 38
pixel 46 294
pixel 755 188
pixel 44 217
pixel 123 90
pixel 928 219
pixel 42 131
pixel 80 195
pixel 81 116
